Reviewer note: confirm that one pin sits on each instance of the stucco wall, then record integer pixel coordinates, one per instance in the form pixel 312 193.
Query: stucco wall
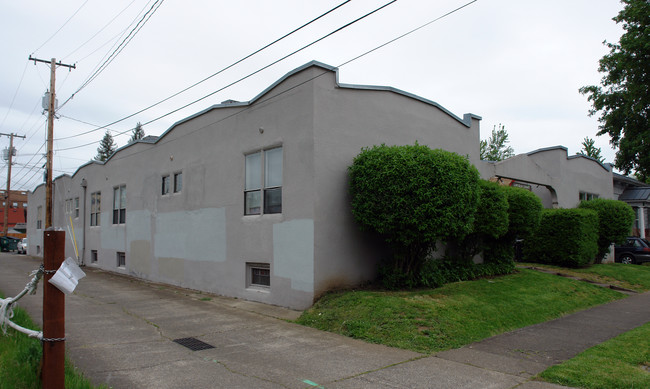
pixel 552 169
pixel 346 120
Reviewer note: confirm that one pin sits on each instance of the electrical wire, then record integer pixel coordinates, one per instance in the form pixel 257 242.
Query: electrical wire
pixel 13 99
pixel 100 30
pixel 60 28
pixel 271 98
pixel 213 74
pixel 145 18
pixel 250 74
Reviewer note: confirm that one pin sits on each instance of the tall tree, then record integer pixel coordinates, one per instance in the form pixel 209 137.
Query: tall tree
pixel 623 99
pixel 138 133
pixel 590 150
pixel 496 148
pixel 106 147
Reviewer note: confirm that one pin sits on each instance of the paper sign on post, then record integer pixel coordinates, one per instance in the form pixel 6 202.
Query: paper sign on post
pixel 68 276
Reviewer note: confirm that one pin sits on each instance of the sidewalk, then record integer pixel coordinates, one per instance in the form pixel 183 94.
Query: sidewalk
pixel 120 331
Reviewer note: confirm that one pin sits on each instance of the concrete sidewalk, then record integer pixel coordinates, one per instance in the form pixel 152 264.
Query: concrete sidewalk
pixel 120 331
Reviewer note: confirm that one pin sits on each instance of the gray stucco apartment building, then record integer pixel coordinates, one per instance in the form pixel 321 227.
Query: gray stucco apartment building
pixel 250 199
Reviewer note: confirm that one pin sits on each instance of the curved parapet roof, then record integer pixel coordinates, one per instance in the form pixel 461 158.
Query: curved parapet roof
pixel 152 140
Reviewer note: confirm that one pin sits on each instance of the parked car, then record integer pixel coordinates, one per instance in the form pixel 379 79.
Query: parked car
pixel 634 250
pixel 21 246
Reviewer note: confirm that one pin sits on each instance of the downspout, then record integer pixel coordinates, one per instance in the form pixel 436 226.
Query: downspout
pixel 84 184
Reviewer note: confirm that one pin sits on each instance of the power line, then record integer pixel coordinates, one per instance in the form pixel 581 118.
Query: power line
pixel 60 28
pixel 270 98
pixel 145 18
pixel 210 76
pixel 11 105
pixel 249 75
pixel 100 30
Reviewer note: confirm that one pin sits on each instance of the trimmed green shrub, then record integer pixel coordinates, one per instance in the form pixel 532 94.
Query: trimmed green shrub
pixel 438 272
pixel 615 220
pixel 413 196
pixel 565 237
pixel 524 212
pixel 490 222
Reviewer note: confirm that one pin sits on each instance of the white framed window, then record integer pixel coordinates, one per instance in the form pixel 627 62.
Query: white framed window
pixel 76 207
pixel 258 275
pixel 93 256
pixel 119 204
pixel 584 196
pixel 39 217
pixel 121 259
pixel 68 206
pixel 178 182
pixel 165 185
pixel 263 186
pixel 95 208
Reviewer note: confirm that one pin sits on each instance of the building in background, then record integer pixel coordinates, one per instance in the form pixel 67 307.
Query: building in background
pixel 17 213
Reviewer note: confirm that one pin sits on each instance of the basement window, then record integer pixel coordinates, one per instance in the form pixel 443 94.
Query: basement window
pixel 121 259
pixel 258 275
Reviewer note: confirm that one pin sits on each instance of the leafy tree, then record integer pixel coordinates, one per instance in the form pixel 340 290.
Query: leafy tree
pixel 138 133
pixel 615 220
pixel 413 196
pixel 624 95
pixel 495 148
pixel 590 150
pixel 106 147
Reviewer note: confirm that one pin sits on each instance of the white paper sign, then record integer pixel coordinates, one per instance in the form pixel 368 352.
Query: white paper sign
pixel 68 276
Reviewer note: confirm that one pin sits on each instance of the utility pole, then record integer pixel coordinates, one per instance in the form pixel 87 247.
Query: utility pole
pixel 52 373
pixel 7 197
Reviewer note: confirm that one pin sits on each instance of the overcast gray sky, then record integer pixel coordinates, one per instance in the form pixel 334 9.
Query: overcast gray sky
pixel 515 62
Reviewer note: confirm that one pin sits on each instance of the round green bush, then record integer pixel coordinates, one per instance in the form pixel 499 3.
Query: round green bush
pixel 413 196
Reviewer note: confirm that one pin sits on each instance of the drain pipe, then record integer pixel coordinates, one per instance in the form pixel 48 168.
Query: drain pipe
pixel 84 184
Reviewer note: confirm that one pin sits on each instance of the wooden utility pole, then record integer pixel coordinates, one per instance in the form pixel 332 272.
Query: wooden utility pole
pixel 50 135
pixel 7 197
pixel 52 374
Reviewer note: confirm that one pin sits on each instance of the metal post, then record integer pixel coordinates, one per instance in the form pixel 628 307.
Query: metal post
pixel 52 375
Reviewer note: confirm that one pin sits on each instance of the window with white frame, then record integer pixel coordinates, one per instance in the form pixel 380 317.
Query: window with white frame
pixel 263 186
pixel 68 206
pixel 165 185
pixel 178 182
pixel 121 259
pixel 39 217
pixel 119 204
pixel 258 275
pixel 95 208
pixel 585 196
pixel 76 207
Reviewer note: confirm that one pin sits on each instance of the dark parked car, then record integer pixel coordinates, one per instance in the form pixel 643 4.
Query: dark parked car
pixel 634 250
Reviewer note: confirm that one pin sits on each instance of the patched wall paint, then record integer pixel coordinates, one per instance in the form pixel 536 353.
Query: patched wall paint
pixel 198 235
pixel 113 235
pixel 293 253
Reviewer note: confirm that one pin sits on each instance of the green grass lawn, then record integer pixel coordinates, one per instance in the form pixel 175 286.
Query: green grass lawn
pixel 20 357
pixel 622 362
pixel 456 314
pixel 633 277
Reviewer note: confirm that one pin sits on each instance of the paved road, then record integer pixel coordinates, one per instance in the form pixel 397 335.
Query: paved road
pixel 120 332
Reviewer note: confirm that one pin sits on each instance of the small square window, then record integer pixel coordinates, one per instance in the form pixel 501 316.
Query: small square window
pixel 259 275
pixel 121 259
pixel 93 256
